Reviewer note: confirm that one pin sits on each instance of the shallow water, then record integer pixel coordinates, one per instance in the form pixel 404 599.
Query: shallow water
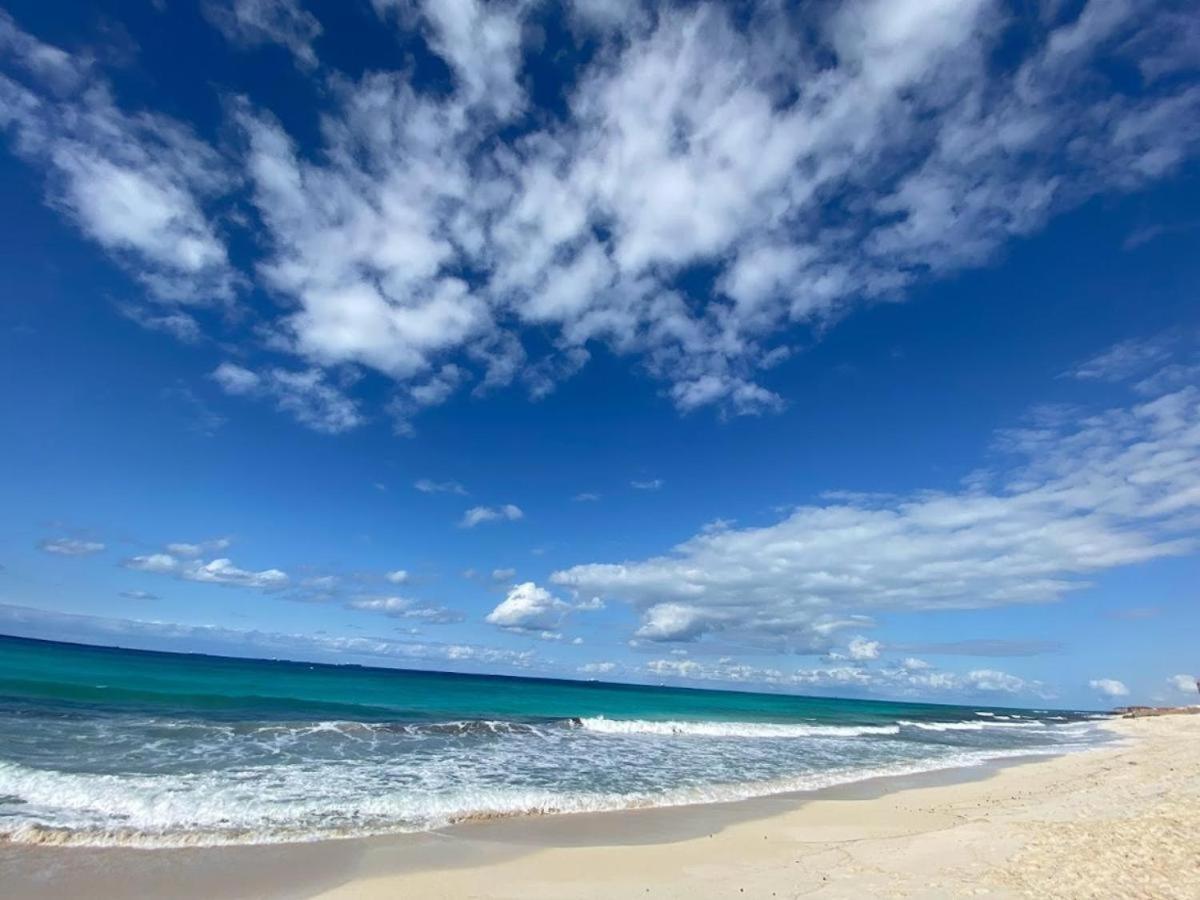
pixel 100 745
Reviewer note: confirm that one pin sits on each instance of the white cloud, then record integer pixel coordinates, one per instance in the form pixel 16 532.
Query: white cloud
pixel 158 563
pixel 652 484
pixel 598 668
pixel 690 140
pixel 182 548
pixel 138 595
pixel 913 664
pixel 306 395
pixel 235 379
pixel 405 608
pixel 1081 497
pixel 397 576
pixel 321 583
pixel 429 486
pixel 1124 360
pixel 136 184
pixel 477 515
pixel 586 497
pixel 70 547
pixel 811 160
pixel 503 574
pixel 888 681
pixel 180 325
pixel 1110 687
pixel 29 622
pixel 860 648
pixel 433 390
pixel 671 622
pixel 1184 683
pixel 529 608
pixel 216 571
pixel 249 23
pixel 223 571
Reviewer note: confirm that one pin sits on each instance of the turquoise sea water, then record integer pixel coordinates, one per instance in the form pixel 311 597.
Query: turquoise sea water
pixel 102 745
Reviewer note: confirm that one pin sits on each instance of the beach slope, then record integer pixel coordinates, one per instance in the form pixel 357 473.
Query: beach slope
pixel 1110 823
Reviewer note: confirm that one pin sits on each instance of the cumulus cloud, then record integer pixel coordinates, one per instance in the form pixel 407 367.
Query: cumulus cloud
pixel 477 515
pixel 217 571
pixel 397 576
pixel 305 395
pixel 861 649
pixel 1078 497
pixel 529 608
pixel 70 546
pixel 1110 687
pixel 249 23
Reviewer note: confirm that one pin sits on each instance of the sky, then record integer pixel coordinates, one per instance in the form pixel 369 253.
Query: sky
pixel 835 348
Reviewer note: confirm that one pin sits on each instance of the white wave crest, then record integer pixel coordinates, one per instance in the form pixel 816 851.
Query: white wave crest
pixel 967 726
pixel 177 812
pixel 604 725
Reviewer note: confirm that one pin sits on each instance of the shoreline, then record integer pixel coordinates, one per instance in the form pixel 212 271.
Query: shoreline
pixel 766 844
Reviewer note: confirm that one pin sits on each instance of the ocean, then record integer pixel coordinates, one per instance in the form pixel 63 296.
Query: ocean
pixel 109 746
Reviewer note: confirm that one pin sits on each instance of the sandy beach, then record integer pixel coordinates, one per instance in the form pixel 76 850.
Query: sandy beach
pixel 1117 822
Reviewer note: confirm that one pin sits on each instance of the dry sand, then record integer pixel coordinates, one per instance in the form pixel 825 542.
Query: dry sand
pixel 1110 823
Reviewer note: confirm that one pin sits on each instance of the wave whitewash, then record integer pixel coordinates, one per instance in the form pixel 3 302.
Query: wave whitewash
pixel 104 745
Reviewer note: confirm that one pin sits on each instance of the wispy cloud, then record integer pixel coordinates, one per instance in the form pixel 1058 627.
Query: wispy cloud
pixel 1125 359
pixel 692 137
pixel 248 23
pixel 653 484
pixel 47 624
pixel 910 678
pixel 188 549
pixel 429 486
pixel 138 595
pixel 136 184
pixel 70 546
pixel 406 608
pixel 305 395
pixel 1079 497
pixel 981 647
pixel 217 571
pixel 477 515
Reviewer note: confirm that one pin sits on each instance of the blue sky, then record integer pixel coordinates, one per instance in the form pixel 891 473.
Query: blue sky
pixel 846 349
